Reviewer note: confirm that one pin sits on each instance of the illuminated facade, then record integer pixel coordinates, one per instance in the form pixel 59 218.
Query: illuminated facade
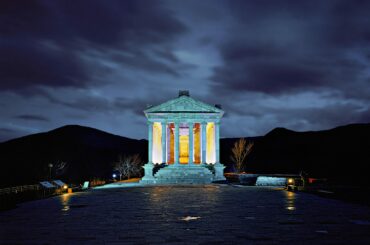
pixel 184 140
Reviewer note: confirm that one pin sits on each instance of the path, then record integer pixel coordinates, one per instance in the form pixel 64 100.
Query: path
pixel 216 214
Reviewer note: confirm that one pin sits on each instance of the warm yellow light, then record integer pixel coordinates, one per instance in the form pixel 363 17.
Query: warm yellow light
pixel 290 181
pixel 64 199
pixel 184 149
pixel 65 186
pixel 157 146
pixel 211 150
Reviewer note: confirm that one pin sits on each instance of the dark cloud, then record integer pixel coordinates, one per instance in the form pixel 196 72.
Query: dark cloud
pixel 268 77
pixel 8 133
pixel 29 117
pixel 86 103
pixel 289 46
pixel 31 63
pixel 312 118
pixel 99 104
pixel 281 50
pixel 138 105
pixel 304 65
pixel 6 130
pixel 44 42
pixel 129 22
pixel 142 61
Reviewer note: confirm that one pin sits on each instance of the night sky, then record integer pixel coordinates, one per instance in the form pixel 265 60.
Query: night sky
pixel 303 65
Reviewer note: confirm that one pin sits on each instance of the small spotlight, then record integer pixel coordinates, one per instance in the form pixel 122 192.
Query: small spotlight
pixel 114 175
pixel 290 181
pixel 65 186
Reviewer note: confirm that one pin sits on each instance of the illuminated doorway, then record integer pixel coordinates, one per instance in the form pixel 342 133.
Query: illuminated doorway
pixel 184 144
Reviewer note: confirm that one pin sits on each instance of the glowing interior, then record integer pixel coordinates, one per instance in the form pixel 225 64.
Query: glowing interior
pixel 157 146
pixel 211 150
pixel 183 144
pixel 184 149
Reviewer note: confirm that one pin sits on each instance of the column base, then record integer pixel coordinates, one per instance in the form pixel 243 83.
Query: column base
pixel 148 173
pixel 219 172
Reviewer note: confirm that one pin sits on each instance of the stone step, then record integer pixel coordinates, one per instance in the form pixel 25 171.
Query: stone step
pixel 183 181
pixel 179 173
pixel 183 175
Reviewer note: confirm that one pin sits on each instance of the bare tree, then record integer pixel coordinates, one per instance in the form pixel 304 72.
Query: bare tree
pixel 57 168
pixel 60 167
pixel 240 151
pixel 136 165
pixel 128 166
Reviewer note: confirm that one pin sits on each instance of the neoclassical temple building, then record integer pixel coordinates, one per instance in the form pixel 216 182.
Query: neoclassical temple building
pixel 183 142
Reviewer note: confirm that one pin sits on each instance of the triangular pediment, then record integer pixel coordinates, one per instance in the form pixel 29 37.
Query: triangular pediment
pixel 183 104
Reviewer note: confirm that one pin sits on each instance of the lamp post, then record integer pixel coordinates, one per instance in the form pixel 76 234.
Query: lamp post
pixel 50 166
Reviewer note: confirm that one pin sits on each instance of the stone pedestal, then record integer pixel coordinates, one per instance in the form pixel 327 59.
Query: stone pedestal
pixel 219 172
pixel 148 174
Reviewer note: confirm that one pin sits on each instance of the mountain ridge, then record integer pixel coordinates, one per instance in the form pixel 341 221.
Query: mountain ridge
pixel 334 153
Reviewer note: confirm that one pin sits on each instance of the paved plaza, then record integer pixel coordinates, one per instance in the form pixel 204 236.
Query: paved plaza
pixel 210 214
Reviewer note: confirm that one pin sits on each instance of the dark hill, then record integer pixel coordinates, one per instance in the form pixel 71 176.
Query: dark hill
pixel 338 154
pixel 88 153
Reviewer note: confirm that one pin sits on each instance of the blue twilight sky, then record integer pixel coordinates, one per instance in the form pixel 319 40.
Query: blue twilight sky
pixel 303 65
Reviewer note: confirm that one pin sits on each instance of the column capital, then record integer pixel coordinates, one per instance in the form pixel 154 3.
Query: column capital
pixel 203 123
pixel 149 122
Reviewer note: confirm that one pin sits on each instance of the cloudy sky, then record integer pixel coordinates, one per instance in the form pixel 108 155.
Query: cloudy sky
pixel 303 65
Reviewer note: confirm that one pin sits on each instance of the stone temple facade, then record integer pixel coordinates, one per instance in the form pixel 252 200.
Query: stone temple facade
pixel 183 142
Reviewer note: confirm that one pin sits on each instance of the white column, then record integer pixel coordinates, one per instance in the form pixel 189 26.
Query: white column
pixel 217 139
pixel 163 141
pixel 204 142
pixel 150 141
pixel 168 142
pixel 176 143
pixel 191 145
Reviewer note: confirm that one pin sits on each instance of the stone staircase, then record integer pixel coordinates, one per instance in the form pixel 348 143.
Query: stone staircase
pixel 183 174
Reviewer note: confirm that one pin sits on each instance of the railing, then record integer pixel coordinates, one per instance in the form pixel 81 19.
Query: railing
pixel 19 189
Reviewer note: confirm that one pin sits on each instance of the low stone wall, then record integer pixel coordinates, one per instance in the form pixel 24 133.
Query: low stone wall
pixel 248 179
pixel 271 181
pixel 258 179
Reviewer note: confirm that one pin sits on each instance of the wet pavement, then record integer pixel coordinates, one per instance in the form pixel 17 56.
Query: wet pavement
pixel 210 214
